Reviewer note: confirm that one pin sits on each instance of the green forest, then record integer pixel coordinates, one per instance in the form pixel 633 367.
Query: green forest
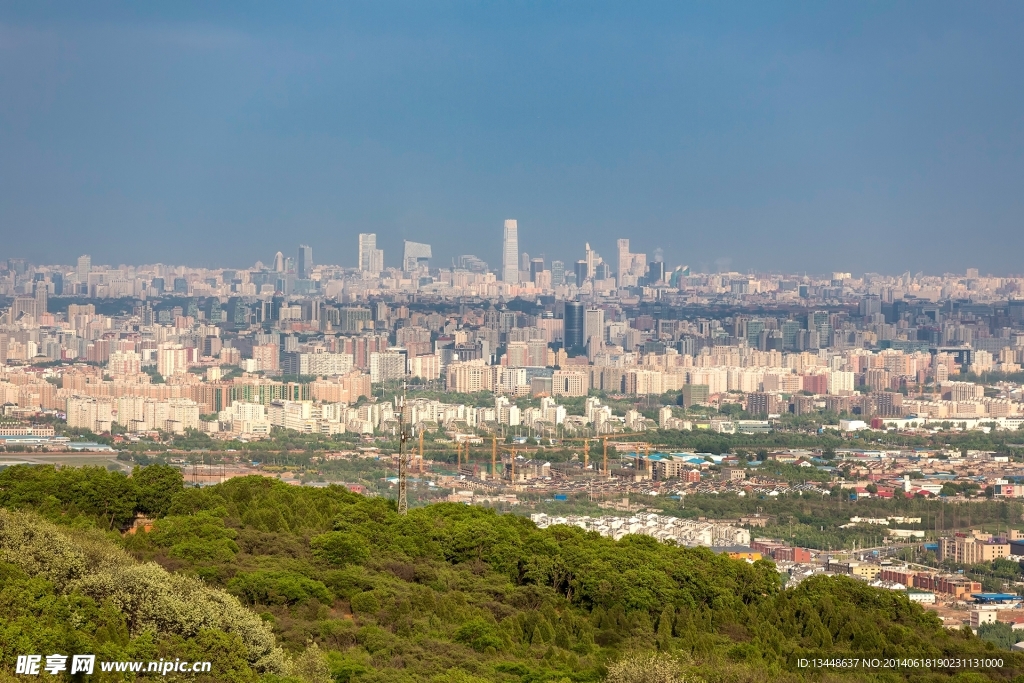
pixel 282 583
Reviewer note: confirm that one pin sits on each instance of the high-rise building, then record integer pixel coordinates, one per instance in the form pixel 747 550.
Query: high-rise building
pixel 761 403
pixel 371 259
pixel 557 273
pixel 305 262
pixel 632 266
pixel 18 265
pixel 625 258
pixel 536 266
pixel 278 262
pixel 416 256
pixel 695 394
pixel 592 259
pixel 510 253
pixel 593 326
pixel 171 359
pixel 471 263
pixel 581 272
pixel 573 325
pixel 820 321
pixel 367 245
pixel 388 365
pixel 41 293
pixel 84 267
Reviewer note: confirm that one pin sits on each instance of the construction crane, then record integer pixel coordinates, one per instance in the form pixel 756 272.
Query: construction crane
pixel 604 443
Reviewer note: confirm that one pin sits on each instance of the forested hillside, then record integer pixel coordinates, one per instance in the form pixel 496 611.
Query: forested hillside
pixel 340 587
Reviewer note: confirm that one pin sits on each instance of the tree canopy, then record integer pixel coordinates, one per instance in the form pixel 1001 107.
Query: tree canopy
pixel 346 589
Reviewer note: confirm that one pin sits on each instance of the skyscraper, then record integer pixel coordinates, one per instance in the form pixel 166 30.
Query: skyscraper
pixel 510 253
pixel 581 272
pixel 536 267
pixel 593 326
pixel 84 266
pixel 573 325
pixel 371 259
pixel 305 261
pixel 278 262
pixel 367 244
pixel 557 273
pixel 625 258
pixel 42 293
pixel 416 255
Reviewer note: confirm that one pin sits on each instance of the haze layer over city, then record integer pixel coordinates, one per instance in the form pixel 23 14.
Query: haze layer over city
pixel 459 343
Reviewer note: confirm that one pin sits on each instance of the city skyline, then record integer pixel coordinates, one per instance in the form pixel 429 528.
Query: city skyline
pixel 471 342
pixel 861 138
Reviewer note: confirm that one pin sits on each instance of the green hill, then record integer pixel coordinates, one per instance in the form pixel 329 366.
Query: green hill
pixel 340 587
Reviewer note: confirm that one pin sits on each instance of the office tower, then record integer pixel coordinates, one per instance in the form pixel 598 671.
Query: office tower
pixel 625 259
pixel 820 322
pixel 278 262
pixel 592 259
pixel 790 330
pixel 472 263
pixel 581 272
pixel 18 265
pixel 84 267
pixel 754 328
pixel 41 297
pixel 557 273
pixel 695 395
pixel 870 305
pixel 305 261
pixel 58 283
pixel 367 245
pixel 371 259
pixel 655 272
pixel 593 326
pixel 573 325
pixel 415 256
pixel 510 253
pixel 536 266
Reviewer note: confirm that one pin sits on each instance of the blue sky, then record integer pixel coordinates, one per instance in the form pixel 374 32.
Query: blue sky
pixel 777 136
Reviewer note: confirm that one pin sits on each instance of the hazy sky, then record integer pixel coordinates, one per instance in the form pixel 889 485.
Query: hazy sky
pixel 785 136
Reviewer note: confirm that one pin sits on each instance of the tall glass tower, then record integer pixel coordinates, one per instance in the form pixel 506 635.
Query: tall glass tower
pixel 573 329
pixel 510 253
pixel 305 261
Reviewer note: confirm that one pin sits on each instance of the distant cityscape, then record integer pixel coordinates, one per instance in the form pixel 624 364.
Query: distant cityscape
pixel 900 352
